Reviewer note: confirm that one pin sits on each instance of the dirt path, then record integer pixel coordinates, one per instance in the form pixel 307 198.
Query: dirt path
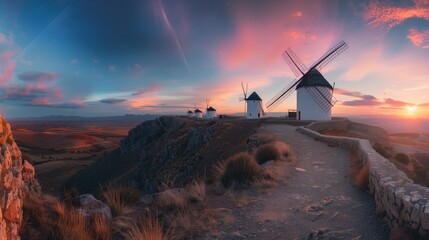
pixel 320 199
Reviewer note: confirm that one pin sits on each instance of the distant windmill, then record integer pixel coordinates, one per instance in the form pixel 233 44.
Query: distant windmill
pixel 314 93
pixel 253 107
pixel 210 111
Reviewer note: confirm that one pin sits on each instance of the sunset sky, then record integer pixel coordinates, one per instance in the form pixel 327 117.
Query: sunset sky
pixel 111 57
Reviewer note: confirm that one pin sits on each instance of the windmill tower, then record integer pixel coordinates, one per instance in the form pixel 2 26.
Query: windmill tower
pixel 198 113
pixel 190 113
pixel 314 92
pixel 210 111
pixel 253 107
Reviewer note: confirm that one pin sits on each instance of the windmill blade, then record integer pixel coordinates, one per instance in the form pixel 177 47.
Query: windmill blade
pixel 297 66
pixel 332 53
pixel 244 92
pixel 282 95
pixel 322 96
pixel 262 109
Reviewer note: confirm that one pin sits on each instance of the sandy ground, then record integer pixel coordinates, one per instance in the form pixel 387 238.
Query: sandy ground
pixel 318 199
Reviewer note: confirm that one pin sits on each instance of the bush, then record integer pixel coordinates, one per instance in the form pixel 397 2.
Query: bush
pixel 402 157
pixel 241 168
pixel 120 198
pixel 380 149
pixel 267 152
pixel 273 151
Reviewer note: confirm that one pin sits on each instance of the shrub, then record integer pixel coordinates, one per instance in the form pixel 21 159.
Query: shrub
pixel 120 198
pixel 273 151
pixel 149 228
pixel 359 173
pixel 267 152
pixel 402 158
pixel 381 150
pixel 241 168
pixel 196 192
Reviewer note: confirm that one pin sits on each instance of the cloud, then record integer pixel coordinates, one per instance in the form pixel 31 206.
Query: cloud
pixel 362 102
pixel 74 61
pixel 143 91
pixel 297 14
pixel 35 76
pixel 113 100
pixel 424 104
pixel 7 66
pixel 377 14
pixel 7 53
pixel 165 106
pixel 396 103
pixel 112 68
pixel 369 100
pixel 419 38
pixel 45 102
pixel 355 94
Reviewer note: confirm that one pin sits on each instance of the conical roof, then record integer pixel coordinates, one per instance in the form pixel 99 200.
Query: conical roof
pixel 211 109
pixel 254 96
pixel 198 111
pixel 189 111
pixel 312 79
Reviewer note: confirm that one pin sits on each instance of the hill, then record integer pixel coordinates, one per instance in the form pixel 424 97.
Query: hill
pixel 166 151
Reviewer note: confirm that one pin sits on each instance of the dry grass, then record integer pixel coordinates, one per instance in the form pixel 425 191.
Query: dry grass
pixel 241 168
pixel 73 225
pixel 174 198
pixel 143 229
pixel 277 151
pixel 190 222
pixel 359 172
pixel 102 227
pixel 267 152
pixel 196 192
pixel 120 199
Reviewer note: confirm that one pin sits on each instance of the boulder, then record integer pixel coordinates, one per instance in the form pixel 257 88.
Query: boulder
pixel 88 205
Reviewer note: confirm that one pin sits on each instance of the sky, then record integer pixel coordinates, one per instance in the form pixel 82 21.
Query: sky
pixel 112 57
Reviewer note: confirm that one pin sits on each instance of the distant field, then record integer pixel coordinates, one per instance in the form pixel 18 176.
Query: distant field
pixel 65 147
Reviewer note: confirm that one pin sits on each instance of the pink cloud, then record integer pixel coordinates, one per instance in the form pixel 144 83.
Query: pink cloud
pixel 419 38
pixel 7 66
pixel 378 14
pixel 297 14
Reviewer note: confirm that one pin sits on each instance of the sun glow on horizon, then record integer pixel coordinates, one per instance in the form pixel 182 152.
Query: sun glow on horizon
pixel 411 110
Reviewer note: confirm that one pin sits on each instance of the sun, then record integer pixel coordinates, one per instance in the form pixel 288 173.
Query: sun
pixel 411 110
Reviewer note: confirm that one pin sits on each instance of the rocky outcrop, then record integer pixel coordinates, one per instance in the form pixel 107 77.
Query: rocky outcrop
pixel 397 198
pixel 16 177
pixel 169 150
pixel 147 131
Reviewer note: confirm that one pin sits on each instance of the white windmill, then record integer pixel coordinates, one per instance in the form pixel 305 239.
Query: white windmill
pixel 253 106
pixel 210 111
pixel 314 93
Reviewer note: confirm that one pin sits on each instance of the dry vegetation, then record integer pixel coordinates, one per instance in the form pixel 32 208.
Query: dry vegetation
pixel 175 213
pixel 359 172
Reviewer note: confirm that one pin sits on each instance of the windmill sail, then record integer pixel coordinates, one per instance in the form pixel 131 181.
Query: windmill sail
pixel 323 97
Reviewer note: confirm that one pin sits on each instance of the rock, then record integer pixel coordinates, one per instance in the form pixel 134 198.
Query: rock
pixel 88 205
pixel 16 177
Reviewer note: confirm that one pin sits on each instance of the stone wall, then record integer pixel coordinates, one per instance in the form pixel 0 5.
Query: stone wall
pixel 397 198
pixel 16 176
